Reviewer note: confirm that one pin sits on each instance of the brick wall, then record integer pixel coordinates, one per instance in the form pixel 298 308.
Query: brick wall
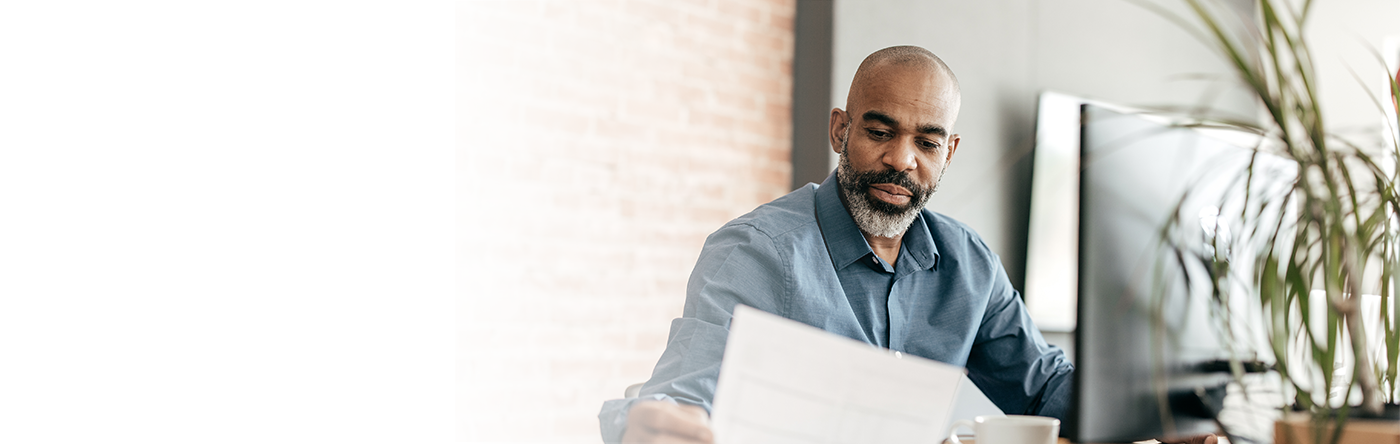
pixel 600 142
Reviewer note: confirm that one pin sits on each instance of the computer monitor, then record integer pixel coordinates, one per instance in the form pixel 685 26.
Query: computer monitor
pixel 1134 170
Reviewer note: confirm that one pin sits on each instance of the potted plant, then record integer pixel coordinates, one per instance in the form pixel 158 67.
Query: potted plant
pixel 1316 249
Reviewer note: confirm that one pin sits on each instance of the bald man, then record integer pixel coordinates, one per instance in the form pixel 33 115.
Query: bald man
pixel 858 256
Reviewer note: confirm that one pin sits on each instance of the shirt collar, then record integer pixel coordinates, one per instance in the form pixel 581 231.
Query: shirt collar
pixel 918 242
pixel 846 244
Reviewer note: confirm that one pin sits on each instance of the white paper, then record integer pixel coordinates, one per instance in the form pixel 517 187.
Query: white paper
pixel 971 402
pixel 782 381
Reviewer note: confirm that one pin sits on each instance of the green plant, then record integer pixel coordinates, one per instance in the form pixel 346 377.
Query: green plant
pixel 1329 233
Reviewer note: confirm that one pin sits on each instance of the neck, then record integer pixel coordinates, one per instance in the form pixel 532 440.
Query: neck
pixel 885 248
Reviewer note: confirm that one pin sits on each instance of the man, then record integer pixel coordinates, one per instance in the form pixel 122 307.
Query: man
pixel 859 256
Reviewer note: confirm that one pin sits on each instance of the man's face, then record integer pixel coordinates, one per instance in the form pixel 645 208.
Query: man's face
pixel 895 144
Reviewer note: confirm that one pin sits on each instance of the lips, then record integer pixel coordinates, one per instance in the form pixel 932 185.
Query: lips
pixel 887 192
pixel 890 193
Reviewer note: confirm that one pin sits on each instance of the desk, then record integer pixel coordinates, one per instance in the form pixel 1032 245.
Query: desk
pixel 1297 428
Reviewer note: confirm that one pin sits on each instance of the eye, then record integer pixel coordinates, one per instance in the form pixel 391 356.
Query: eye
pixel 878 134
pixel 928 145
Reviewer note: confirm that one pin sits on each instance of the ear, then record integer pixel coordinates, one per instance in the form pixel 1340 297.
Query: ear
pixel 952 148
pixel 837 128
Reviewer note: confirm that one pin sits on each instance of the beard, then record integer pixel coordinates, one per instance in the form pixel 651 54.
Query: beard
pixel 874 216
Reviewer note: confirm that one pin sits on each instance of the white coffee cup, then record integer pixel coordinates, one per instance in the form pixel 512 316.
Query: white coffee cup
pixel 1009 429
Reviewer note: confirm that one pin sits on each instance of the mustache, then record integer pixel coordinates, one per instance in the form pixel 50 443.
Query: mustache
pixel 863 180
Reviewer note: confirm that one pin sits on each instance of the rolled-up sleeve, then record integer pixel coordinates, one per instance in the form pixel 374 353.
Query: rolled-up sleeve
pixel 738 265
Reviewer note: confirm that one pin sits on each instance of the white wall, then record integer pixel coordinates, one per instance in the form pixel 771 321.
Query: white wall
pixel 1342 36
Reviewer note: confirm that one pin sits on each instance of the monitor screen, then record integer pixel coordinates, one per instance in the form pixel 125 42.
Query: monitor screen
pixel 1134 171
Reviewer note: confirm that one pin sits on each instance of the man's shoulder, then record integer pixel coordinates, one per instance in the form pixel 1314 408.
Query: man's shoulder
pixel 940 223
pixel 946 230
pixel 791 212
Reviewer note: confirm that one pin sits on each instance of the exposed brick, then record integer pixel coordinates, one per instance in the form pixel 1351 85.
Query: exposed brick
pixel 611 137
pixel 748 13
pixel 654 11
pixel 569 424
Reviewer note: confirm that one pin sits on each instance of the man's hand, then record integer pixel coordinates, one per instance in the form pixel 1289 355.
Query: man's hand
pixel 658 421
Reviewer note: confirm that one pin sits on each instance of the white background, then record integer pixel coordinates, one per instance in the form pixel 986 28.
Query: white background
pixel 226 222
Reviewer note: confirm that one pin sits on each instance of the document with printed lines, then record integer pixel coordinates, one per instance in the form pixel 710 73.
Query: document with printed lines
pixel 782 381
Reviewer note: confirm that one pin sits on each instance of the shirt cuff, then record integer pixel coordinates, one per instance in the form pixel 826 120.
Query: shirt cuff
pixel 612 420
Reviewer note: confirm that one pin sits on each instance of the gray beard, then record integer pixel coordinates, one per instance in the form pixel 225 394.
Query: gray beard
pixel 869 219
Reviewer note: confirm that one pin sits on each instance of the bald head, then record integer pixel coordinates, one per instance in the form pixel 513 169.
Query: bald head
pixel 878 66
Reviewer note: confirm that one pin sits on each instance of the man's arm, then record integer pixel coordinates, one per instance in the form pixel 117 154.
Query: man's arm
pixel 654 421
pixel 1012 363
pixel 738 265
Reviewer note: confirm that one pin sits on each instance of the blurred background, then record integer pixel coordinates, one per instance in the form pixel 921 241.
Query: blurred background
pixel 600 141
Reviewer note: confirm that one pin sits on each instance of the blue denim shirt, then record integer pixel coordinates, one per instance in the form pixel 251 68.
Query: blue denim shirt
pixel 801 256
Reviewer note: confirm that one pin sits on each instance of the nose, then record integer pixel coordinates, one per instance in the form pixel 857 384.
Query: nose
pixel 901 156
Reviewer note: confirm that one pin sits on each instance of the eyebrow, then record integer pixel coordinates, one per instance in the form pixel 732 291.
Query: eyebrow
pixel 886 119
